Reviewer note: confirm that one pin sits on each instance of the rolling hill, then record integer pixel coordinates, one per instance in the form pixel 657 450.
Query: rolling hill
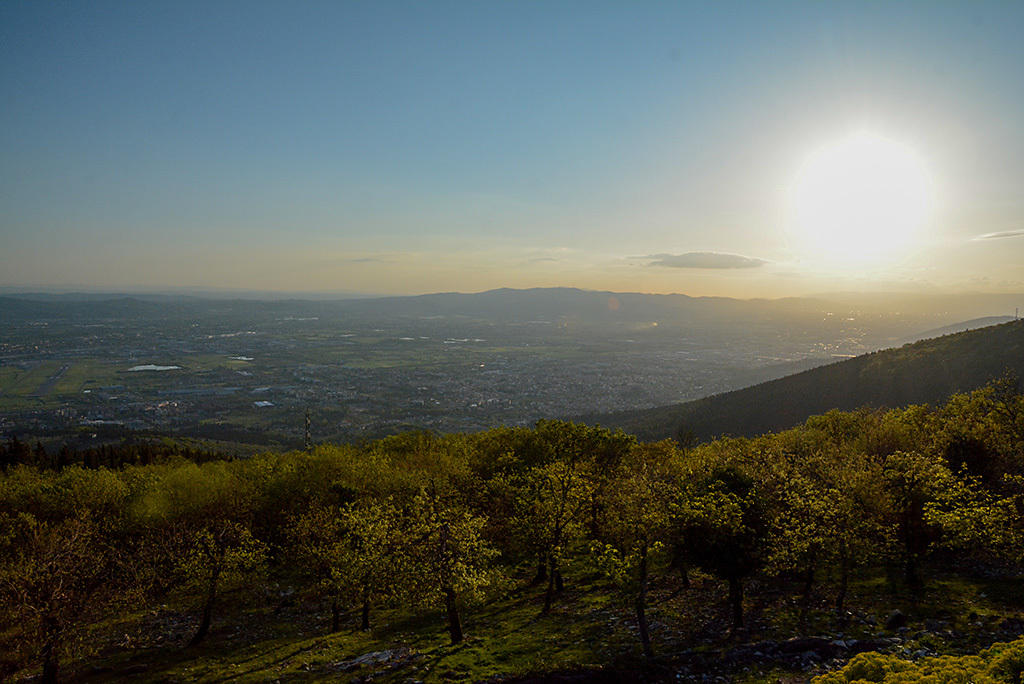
pixel 925 372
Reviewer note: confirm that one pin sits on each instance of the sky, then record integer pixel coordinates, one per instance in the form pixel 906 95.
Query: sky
pixel 433 146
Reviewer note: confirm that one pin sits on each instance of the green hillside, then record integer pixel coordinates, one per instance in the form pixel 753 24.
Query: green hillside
pixel 856 545
pixel 925 372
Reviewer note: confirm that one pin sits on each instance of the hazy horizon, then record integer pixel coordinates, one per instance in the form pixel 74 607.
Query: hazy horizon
pixel 391 148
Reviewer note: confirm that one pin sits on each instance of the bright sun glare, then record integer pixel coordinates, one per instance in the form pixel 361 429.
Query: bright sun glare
pixel 860 200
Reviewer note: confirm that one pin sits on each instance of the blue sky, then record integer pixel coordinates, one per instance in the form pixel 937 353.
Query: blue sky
pixel 407 147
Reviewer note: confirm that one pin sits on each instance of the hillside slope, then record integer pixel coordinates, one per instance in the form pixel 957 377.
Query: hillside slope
pixel 925 372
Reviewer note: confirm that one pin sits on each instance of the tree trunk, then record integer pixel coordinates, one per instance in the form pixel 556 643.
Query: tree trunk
pixel 559 582
pixel 913 579
pixel 335 616
pixel 365 623
pixel 844 576
pixel 641 608
pixel 808 584
pixel 805 598
pixel 454 622
pixel 211 597
pixel 549 595
pixel 736 599
pixel 542 571
pixel 679 561
pixel 51 666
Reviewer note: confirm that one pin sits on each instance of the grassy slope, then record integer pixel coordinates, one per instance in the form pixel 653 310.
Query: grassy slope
pixel 591 629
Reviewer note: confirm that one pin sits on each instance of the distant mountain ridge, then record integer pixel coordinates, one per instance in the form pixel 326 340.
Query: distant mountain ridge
pixel 517 304
pixel 963 326
pixel 545 304
pixel 925 372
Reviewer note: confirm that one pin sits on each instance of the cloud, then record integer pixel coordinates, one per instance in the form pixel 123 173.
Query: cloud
pixel 704 260
pixel 1000 235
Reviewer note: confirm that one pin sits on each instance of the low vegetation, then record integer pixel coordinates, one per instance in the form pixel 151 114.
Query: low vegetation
pixel 513 553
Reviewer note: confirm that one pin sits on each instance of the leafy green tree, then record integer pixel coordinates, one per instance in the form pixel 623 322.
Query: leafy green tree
pixel 450 561
pixel 724 526
pixel 357 552
pixel 56 580
pixel 202 517
pixel 983 432
pixel 828 507
pixel 641 495
pixel 913 481
pixel 551 502
pixel 976 519
pixel 224 552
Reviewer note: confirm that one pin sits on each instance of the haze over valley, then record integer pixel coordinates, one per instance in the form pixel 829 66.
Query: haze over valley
pixel 86 367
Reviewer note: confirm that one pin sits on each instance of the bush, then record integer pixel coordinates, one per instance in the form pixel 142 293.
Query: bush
pixel 1001 664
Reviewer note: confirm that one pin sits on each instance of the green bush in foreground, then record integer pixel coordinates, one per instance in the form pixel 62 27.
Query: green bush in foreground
pixel 1000 664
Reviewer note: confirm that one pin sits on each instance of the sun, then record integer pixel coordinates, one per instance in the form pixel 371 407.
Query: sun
pixel 860 200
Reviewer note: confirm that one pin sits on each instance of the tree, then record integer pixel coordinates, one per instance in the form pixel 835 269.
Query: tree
pixel 56 580
pixel 551 500
pixel 828 508
pixel 983 432
pixel 450 559
pixel 974 518
pixel 217 554
pixel 202 516
pixel 16 452
pixel 724 529
pixel 358 551
pixel 641 496
pixel 913 481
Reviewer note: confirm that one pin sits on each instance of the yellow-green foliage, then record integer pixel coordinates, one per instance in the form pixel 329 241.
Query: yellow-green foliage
pixel 1001 664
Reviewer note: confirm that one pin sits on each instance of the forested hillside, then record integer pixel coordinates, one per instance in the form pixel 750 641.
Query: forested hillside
pixel 926 372
pixel 515 552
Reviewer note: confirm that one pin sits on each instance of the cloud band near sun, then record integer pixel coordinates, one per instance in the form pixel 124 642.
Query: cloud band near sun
pixel 1003 234
pixel 704 260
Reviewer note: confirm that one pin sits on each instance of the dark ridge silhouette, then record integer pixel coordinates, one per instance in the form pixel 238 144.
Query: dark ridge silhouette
pixel 925 372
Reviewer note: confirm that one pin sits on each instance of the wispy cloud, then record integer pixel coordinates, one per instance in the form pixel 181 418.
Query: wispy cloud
pixel 1000 235
pixel 704 260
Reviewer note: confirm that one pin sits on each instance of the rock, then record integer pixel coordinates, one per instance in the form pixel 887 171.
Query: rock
pixel 1013 625
pixel 897 619
pixel 803 644
pixel 864 646
pixel 375 658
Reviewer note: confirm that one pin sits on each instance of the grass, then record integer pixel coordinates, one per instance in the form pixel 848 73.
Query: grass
pixel 266 643
pixel 24 383
pixel 89 374
pixel 261 639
